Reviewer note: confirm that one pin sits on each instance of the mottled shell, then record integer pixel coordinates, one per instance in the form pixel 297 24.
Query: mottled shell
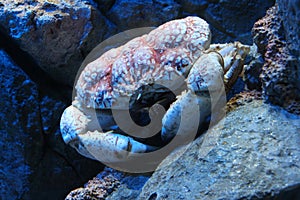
pixel 160 57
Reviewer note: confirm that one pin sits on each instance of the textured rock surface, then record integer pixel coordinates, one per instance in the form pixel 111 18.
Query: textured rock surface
pixel 35 163
pixel 61 168
pixel 290 13
pixel 60 33
pixel 252 70
pixel 110 184
pixel 21 138
pixel 258 157
pixel 241 99
pixel 280 73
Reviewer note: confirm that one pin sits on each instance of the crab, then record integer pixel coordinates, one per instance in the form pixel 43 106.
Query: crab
pixel 130 99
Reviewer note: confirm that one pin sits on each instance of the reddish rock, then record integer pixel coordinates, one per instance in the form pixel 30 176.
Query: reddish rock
pixel 279 72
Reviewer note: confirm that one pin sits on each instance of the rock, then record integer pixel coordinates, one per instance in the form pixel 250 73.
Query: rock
pixel 110 184
pixel 35 162
pixel 61 168
pixel 98 188
pixel 256 158
pixel 280 72
pixel 56 34
pixel 290 13
pixel 193 6
pixel 21 137
pixel 134 14
pixel 241 99
pixel 252 70
pixel 50 108
pixel 130 187
pixel 104 5
pixel 229 20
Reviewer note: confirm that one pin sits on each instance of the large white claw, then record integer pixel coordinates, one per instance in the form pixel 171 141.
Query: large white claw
pixel 109 147
pixel 185 115
pixel 72 123
pixel 191 109
pixel 84 134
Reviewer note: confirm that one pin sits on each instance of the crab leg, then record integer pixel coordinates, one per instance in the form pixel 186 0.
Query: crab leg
pixel 233 55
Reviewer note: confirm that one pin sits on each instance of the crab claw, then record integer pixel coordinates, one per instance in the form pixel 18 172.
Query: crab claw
pixel 108 147
pixel 183 116
pixel 83 134
pixel 72 123
pixel 205 89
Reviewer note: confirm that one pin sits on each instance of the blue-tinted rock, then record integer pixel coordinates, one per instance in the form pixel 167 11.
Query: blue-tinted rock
pixel 233 20
pixel 253 153
pixel 229 20
pixel 21 135
pixel 35 163
pixel 104 5
pixel 290 13
pixel 132 14
pixel 280 71
pixel 193 6
pixel 56 34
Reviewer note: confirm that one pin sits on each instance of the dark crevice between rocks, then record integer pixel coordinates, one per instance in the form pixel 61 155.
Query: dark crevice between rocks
pixel 28 65
pixel 105 7
pixel 48 147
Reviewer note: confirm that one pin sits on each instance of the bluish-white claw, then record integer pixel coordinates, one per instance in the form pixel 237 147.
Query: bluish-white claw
pixel 72 123
pixel 185 115
pixel 109 147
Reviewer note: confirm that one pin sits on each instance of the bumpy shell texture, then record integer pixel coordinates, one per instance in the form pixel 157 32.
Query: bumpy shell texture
pixel 161 56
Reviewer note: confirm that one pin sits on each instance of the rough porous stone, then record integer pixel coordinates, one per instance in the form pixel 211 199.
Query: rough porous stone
pixel 253 153
pixel 193 6
pixel 241 99
pixel 110 184
pixel 98 188
pixel 280 72
pixel 56 34
pixel 290 13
